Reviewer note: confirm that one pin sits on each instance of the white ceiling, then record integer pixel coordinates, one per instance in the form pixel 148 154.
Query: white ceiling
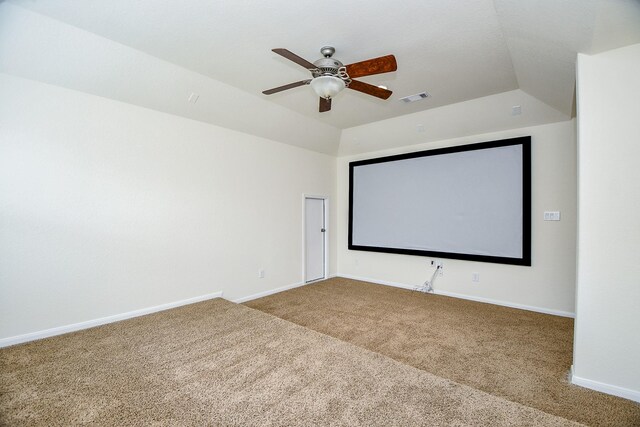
pixel 456 50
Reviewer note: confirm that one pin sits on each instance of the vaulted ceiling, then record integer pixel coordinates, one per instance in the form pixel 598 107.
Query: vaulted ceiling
pixel 455 50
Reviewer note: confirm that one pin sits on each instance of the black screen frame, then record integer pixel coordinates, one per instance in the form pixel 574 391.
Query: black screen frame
pixel 525 260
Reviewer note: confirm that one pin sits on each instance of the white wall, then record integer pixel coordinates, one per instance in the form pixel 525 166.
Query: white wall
pixel 607 343
pixel 106 207
pixel 548 285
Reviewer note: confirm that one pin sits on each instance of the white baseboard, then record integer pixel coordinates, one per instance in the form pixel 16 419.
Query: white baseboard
pixel 267 293
pixel 277 290
pixel 614 390
pixel 467 297
pixel 508 304
pixel 19 339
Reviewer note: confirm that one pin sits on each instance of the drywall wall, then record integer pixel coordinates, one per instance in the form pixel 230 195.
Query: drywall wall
pixel 548 285
pixel 606 346
pixel 107 208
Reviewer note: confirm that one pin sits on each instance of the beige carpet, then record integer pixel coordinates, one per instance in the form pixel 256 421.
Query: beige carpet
pixel 219 363
pixel 519 355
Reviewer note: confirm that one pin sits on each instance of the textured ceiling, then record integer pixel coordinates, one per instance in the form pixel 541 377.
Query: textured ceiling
pixel 455 50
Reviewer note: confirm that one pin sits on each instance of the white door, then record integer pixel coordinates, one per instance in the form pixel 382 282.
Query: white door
pixel 314 238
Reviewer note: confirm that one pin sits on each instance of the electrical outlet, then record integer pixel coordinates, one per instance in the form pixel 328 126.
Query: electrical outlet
pixel 475 277
pixel 440 267
pixel 261 273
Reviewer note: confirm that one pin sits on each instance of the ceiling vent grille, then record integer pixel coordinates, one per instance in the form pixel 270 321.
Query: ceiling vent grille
pixel 416 97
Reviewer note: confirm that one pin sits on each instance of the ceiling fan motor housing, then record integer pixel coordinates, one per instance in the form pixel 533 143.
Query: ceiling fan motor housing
pixel 326 67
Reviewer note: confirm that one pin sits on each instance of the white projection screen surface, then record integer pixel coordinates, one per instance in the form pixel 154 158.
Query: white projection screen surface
pixel 470 202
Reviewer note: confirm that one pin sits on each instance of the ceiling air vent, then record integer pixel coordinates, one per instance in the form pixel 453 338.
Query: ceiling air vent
pixel 416 97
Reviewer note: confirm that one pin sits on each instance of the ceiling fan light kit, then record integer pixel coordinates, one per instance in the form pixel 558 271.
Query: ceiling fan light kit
pixel 330 76
pixel 327 86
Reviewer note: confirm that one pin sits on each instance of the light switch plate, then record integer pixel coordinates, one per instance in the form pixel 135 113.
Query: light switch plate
pixel 552 216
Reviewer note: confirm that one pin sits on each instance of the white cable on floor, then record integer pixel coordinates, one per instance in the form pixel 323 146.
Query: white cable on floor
pixel 427 286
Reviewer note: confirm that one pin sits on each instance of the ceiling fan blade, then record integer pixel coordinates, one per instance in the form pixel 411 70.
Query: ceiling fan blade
pixel 325 104
pixel 285 87
pixel 295 58
pixel 383 64
pixel 370 89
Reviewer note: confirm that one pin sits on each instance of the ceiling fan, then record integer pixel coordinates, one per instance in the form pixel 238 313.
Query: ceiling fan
pixel 330 76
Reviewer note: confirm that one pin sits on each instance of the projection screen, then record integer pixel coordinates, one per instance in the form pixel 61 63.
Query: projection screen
pixel 470 202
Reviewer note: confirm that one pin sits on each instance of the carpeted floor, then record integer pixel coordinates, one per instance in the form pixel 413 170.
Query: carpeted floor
pixel 219 363
pixel 518 355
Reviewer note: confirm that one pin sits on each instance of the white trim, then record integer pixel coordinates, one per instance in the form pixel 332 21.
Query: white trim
pixel 614 390
pixel 326 237
pixel 277 290
pixel 270 292
pixel 325 200
pixel 467 297
pixel 19 339
pixel 508 304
